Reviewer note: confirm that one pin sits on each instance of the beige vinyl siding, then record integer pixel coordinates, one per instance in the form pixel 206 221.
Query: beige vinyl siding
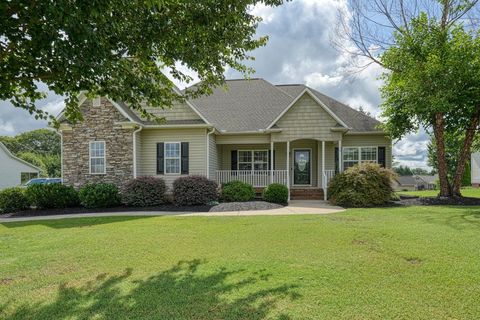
pixel 306 119
pixel 243 138
pixel 370 141
pixel 213 156
pixel 197 150
pixel 179 111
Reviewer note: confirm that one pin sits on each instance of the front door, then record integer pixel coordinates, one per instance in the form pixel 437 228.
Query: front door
pixel 301 166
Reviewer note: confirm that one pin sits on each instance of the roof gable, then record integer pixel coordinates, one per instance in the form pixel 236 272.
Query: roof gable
pixel 10 155
pixel 305 92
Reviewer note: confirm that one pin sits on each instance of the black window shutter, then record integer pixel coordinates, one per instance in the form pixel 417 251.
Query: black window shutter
pixel 381 156
pixel 234 160
pixel 337 167
pixel 160 159
pixel 270 159
pixel 185 157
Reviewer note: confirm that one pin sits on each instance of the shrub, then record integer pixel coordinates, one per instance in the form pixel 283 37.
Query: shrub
pixel 99 195
pixel 237 191
pixel 276 193
pixel 13 200
pixel 53 195
pixel 144 192
pixel 364 185
pixel 194 190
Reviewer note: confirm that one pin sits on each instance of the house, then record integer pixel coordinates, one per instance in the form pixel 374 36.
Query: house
pixel 14 171
pixel 403 183
pixel 416 182
pixel 254 131
pixel 475 169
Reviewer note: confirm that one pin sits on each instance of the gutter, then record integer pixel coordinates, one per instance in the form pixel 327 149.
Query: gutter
pixel 135 151
pixel 261 131
pixel 208 151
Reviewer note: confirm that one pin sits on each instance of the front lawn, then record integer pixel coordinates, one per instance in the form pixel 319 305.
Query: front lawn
pixel 466 192
pixel 409 263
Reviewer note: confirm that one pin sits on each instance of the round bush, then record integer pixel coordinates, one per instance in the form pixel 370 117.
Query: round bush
pixel 364 185
pixel 237 191
pixel 276 193
pixel 144 192
pixel 13 200
pixel 194 190
pixel 53 195
pixel 99 195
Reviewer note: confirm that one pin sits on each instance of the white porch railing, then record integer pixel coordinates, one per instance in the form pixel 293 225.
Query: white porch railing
pixel 327 176
pixel 258 178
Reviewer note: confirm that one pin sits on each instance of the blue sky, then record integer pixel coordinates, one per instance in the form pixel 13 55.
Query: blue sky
pixel 299 51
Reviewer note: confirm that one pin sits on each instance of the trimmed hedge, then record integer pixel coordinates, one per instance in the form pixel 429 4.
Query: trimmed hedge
pixel 144 192
pixel 237 191
pixel 276 193
pixel 55 195
pixel 194 190
pixel 364 185
pixel 99 195
pixel 13 200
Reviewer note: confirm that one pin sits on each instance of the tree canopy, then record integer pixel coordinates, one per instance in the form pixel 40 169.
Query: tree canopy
pixel 430 52
pixel 121 49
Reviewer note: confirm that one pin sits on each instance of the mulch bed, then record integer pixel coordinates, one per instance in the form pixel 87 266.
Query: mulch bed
pixel 77 210
pixel 437 201
pixel 245 206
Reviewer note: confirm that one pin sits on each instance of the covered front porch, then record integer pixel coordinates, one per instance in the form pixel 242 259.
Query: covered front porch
pixel 305 166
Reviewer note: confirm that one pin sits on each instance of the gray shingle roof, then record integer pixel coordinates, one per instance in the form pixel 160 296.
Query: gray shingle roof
pixel 407 180
pixel 252 105
pixel 243 105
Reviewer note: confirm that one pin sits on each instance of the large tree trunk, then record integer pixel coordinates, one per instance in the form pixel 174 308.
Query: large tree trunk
pixel 464 154
pixel 439 130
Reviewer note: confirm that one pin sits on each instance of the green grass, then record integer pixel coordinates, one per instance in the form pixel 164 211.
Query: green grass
pixel 395 263
pixel 466 192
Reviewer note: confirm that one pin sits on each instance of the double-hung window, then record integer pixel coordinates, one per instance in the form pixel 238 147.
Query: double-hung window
pixel 97 157
pixel 172 158
pixel 355 155
pixel 253 160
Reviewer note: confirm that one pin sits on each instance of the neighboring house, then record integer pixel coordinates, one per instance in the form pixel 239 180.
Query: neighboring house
pixel 14 171
pixel 233 134
pixel 403 183
pixel 475 167
pixel 416 182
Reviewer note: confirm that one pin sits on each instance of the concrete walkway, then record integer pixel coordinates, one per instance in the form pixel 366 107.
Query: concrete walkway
pixel 295 207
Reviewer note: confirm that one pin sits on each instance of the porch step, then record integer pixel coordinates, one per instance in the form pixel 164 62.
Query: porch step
pixel 306 194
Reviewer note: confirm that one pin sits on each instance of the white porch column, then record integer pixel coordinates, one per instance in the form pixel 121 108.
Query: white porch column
pixel 324 183
pixel 288 169
pixel 319 172
pixel 340 160
pixel 271 161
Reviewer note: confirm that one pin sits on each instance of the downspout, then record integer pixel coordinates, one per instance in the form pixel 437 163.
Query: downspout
pixel 208 151
pixel 135 151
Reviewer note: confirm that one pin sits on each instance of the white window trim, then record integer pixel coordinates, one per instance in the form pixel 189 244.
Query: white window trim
pixel 359 154
pixel 165 158
pixel 311 168
pixel 104 157
pixel 253 158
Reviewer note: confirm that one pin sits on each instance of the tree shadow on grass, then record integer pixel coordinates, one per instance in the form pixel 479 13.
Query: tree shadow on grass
pixel 75 222
pixel 467 218
pixel 182 292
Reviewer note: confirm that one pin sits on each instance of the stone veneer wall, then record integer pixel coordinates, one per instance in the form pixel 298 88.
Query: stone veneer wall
pixel 98 125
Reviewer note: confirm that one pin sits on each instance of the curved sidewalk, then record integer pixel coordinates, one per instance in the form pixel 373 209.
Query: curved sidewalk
pixel 295 207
